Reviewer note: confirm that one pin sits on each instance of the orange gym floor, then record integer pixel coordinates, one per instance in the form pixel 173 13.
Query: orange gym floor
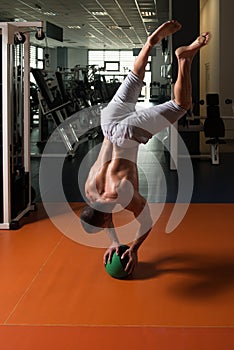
pixel 56 295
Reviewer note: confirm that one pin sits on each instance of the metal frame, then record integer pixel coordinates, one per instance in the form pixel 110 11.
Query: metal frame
pixel 8 30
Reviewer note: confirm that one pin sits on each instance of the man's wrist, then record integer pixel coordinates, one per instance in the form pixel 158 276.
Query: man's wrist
pixel 115 243
pixel 135 245
pixel 138 241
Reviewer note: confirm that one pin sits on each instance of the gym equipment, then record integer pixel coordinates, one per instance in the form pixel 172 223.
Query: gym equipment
pixel 154 91
pixel 64 93
pixel 55 102
pixel 15 181
pixel 19 38
pixel 116 267
pixel 214 126
pixel 40 35
pixel 159 92
pixel 73 85
pixel 34 104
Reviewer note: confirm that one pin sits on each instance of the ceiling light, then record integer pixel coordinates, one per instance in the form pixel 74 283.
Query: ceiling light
pixel 125 27
pixel 148 20
pixel 19 20
pixel 89 35
pixel 148 13
pixel 73 27
pixel 113 27
pixel 49 13
pixel 99 13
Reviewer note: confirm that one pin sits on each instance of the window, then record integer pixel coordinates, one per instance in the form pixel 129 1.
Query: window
pixel 111 66
pixel 33 57
pixel 36 57
pixel 126 60
pixel 110 58
pixel 116 64
pixel 40 57
pixel 96 58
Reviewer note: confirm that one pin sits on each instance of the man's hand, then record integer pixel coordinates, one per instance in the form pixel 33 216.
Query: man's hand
pixel 131 256
pixel 109 253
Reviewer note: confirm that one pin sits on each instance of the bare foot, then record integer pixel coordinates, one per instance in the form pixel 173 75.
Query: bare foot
pixel 167 28
pixel 191 50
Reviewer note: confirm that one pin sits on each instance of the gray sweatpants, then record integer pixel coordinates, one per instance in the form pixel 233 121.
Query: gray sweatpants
pixel 126 126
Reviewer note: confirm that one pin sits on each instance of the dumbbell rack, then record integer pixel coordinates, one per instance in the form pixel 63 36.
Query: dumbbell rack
pixel 9 31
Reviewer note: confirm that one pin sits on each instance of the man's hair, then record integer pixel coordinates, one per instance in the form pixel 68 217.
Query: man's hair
pixel 92 219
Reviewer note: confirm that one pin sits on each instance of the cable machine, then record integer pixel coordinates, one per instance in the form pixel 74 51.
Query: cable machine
pixel 15 121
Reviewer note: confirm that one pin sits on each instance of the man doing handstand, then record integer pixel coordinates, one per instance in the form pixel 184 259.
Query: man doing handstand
pixel 113 179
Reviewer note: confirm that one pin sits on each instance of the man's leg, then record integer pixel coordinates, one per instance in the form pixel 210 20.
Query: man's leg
pixel 154 119
pixel 130 89
pixel 161 32
pixel 183 85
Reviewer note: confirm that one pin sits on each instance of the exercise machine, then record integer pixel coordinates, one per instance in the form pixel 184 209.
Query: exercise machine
pixel 58 105
pixel 212 125
pixel 214 128
pixel 15 182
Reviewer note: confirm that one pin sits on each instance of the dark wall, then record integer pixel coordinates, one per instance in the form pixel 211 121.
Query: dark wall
pixel 62 57
pixel 0 75
pixel 1 199
pixel 188 14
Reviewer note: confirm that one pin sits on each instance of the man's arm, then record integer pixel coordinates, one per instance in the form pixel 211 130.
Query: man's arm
pixel 95 183
pixel 105 154
pixel 141 211
pixel 114 247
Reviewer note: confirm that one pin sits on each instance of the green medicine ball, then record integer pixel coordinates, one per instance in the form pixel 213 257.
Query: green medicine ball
pixel 116 267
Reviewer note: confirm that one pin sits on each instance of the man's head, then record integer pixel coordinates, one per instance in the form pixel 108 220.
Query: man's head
pixel 93 219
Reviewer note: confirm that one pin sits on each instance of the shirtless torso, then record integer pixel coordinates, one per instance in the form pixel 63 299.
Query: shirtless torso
pixel 114 178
